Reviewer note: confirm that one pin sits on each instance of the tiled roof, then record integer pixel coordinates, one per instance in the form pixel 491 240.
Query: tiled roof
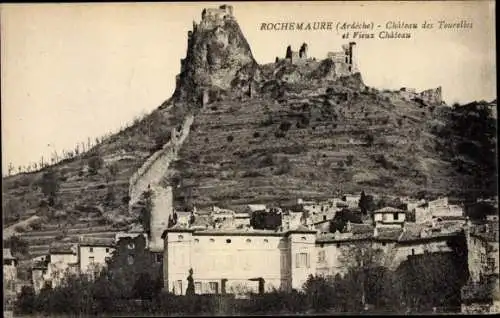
pixel 97 241
pixel 7 254
pixel 361 228
pixel 389 209
pixel 389 234
pixel 62 248
pixel 202 220
pixel 257 207
pixel 411 232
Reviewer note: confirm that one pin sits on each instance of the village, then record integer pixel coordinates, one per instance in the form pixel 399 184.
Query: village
pixel 263 247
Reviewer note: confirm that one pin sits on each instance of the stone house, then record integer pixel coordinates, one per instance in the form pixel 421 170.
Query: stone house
pixel 94 253
pixel 63 261
pixel 9 271
pixel 389 216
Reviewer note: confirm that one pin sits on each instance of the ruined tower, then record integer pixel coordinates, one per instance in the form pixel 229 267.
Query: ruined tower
pixel 303 51
pixel 353 56
pixel 162 209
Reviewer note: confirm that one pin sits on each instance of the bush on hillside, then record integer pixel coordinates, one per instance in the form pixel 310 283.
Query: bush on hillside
pixel 95 163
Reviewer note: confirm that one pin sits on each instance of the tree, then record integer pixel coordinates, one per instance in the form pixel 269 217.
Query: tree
pixel 479 211
pixel 95 163
pixel 319 292
pixel 366 203
pixel 25 303
pixel 143 286
pixel 49 184
pixel 363 264
pixel 17 245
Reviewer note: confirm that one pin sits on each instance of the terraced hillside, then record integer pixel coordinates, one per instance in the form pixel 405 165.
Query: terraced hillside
pixel 92 185
pixel 261 133
pixel 312 140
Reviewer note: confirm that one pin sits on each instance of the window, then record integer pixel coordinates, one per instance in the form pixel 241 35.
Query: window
pixel 178 287
pixel 302 260
pixel 324 217
pixel 248 240
pixel 412 251
pixel 383 244
pixel 483 258
pixel 196 240
pixel 197 287
pixel 159 258
pixel 338 245
pixel 91 250
pixel 180 237
pixel 212 240
pixel 490 263
pixel 130 259
pixel 228 241
pixel 91 259
pixel 107 250
pixel 303 238
pixel 213 287
pixel 266 241
pixel 395 216
pixel 321 256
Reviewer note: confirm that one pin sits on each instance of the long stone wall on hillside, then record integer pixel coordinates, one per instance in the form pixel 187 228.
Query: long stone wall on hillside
pixel 162 209
pixel 153 170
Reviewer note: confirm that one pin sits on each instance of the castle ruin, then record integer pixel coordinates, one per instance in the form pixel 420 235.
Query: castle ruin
pixel 296 57
pixel 345 61
pixel 430 96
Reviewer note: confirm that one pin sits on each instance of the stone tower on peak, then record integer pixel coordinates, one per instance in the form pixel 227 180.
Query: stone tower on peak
pixel 218 58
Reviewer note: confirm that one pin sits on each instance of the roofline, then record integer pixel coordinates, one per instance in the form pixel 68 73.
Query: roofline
pixel 376 239
pixel 236 233
pixel 63 253
pixel 97 245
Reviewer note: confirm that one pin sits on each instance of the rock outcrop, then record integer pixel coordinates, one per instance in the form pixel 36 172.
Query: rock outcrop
pixel 218 58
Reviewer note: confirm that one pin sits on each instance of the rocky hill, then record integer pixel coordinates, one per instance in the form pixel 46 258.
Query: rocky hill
pixel 297 127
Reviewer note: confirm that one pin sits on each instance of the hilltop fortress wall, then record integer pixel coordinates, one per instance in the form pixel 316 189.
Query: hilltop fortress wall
pixel 431 96
pixel 150 174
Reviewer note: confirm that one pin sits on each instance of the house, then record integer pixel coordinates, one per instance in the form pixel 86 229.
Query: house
pixel 292 219
pixel 256 207
pixel 63 261
pixel 9 271
pixel 482 292
pixel 39 274
pixel 396 244
pixel 94 253
pixel 234 261
pixel 389 216
pixel 241 219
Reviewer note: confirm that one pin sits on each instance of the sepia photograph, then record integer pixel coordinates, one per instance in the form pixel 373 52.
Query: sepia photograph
pixel 249 158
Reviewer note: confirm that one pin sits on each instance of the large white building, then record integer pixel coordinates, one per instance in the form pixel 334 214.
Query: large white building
pixel 233 261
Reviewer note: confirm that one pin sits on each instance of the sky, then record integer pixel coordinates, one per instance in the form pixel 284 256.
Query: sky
pixel 74 71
